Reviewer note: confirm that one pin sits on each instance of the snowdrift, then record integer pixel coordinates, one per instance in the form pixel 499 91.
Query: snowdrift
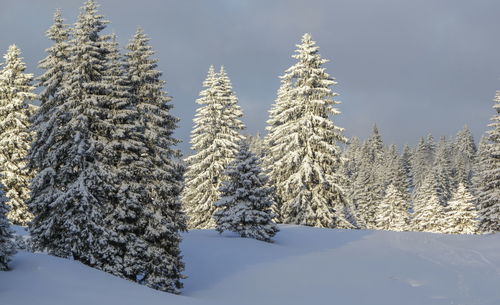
pixel 304 266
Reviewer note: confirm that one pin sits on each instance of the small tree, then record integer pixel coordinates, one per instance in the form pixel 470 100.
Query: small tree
pixel 461 215
pixel 245 203
pixel 7 247
pixel 15 138
pixel 392 212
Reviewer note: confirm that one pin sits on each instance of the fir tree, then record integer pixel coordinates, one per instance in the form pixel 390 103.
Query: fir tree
pixel 406 158
pixel 393 211
pixel 428 211
pixel 461 215
pixel 7 247
pixel 16 92
pixel 488 185
pixel 70 193
pixel 464 150
pixel 306 170
pixel 369 186
pixel 214 139
pixel 154 213
pixel 443 170
pixel 245 203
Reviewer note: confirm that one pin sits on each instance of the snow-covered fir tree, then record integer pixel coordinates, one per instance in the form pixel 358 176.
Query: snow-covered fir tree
pixel 305 160
pixel 422 161
pixel 70 193
pixel 368 188
pixel 392 211
pixel 461 214
pixel 443 170
pixel 406 158
pixel 7 246
pixel 155 213
pixel 393 172
pixel 488 176
pixel 16 91
pixel 277 117
pixel 464 154
pixel 214 139
pixel 245 203
pixel 428 211
pixel 256 145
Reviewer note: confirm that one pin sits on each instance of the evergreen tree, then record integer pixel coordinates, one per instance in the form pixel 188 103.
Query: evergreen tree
pixel 7 247
pixel 306 170
pixel 155 213
pixel 70 193
pixel 16 92
pixel 245 203
pixel 422 161
pixel 278 115
pixel 443 170
pixel 488 185
pixel 393 211
pixel 464 150
pixel 406 158
pixel 461 215
pixel 369 186
pixel 428 215
pixel 214 139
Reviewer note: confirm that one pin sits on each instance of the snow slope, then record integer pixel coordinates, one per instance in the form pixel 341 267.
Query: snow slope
pixel 304 266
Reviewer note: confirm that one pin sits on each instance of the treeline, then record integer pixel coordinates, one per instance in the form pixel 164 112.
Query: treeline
pixel 95 173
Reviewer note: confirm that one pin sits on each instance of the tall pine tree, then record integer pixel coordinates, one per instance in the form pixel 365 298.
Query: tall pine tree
pixel 70 194
pixel 214 139
pixel 16 91
pixel 155 213
pixel 488 185
pixel 306 169
pixel 461 214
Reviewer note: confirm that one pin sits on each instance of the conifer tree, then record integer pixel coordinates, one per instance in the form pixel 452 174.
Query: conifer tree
pixel 369 186
pixel 154 259
pixel 488 185
pixel 461 214
pixel 214 139
pixel 428 211
pixel 16 91
pixel 7 247
pixel 392 211
pixel 406 158
pixel 307 160
pixel 464 150
pixel 245 203
pixel 422 160
pixel 70 193
pixel 443 170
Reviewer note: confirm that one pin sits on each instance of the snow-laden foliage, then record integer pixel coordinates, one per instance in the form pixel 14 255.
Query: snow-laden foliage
pixel 428 211
pixel 461 213
pixel 392 211
pixel 304 161
pixel 71 190
pixel 7 246
pixel 214 139
pixel 368 187
pixel 245 203
pixel 443 170
pixel 464 155
pixel 149 213
pixel 488 176
pixel 422 160
pixel 16 91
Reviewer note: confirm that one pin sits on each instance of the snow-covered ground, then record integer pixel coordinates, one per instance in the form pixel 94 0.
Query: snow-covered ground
pixel 304 266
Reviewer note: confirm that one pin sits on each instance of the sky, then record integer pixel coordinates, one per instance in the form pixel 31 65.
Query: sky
pixel 411 67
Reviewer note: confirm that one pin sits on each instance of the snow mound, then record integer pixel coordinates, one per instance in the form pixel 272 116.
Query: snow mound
pixel 304 266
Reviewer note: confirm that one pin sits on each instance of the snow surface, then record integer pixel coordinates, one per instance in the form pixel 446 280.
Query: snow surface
pixel 304 266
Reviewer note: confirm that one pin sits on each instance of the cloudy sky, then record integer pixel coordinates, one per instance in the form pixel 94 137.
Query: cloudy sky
pixel 411 67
